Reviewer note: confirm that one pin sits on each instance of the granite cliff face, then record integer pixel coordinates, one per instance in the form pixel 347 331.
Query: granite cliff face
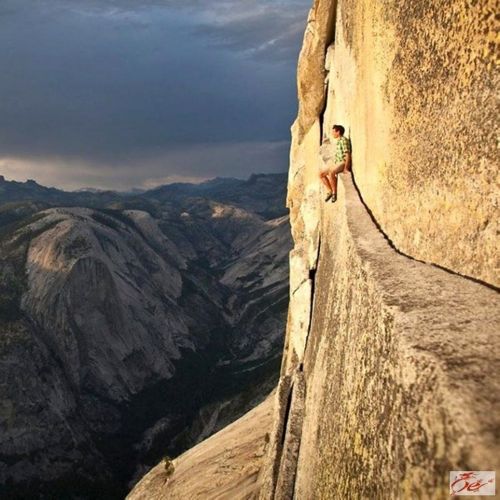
pixel 391 374
pixel 127 334
pixel 414 84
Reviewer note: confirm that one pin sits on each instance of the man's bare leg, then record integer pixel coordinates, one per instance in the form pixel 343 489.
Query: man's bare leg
pixel 332 177
pixel 325 179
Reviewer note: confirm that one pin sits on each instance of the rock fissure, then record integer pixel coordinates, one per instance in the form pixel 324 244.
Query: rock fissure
pixel 282 404
pixel 400 252
pixel 285 482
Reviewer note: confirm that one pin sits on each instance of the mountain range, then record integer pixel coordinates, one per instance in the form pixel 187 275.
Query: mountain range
pixel 133 325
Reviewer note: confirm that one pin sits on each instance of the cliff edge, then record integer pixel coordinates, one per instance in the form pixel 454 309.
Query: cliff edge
pixel 391 373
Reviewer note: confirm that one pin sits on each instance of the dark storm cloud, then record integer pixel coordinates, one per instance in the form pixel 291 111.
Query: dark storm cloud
pixel 142 92
pixel 269 28
pixel 271 31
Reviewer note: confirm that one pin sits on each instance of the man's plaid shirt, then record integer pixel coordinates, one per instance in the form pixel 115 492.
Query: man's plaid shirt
pixel 343 147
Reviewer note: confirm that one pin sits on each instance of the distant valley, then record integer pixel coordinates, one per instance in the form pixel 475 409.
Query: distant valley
pixel 132 326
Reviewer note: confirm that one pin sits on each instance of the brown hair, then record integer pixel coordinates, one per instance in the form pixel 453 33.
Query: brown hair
pixel 339 128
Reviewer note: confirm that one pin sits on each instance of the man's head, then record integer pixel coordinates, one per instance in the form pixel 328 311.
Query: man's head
pixel 338 130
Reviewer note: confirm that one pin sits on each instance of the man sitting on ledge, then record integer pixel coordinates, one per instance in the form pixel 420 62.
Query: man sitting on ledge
pixel 333 166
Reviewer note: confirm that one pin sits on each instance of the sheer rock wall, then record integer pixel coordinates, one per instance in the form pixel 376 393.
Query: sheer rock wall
pixel 414 85
pixel 390 375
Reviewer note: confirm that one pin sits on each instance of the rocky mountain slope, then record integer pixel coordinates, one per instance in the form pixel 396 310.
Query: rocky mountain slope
pixel 227 464
pixel 132 328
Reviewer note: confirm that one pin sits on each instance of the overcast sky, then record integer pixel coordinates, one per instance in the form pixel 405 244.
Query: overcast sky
pixel 105 93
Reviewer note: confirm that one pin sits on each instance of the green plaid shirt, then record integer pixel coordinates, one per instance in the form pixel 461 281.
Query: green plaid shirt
pixel 343 147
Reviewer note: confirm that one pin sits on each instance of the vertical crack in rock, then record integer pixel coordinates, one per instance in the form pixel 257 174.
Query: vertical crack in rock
pixel 322 113
pixel 282 404
pixel 285 420
pixel 319 34
pixel 291 445
pixel 279 479
pixel 312 277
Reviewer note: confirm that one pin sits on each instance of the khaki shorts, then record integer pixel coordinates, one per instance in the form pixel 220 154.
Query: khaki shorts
pixel 336 168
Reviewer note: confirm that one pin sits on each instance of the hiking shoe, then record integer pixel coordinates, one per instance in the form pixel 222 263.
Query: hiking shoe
pixel 328 196
pixel 334 198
